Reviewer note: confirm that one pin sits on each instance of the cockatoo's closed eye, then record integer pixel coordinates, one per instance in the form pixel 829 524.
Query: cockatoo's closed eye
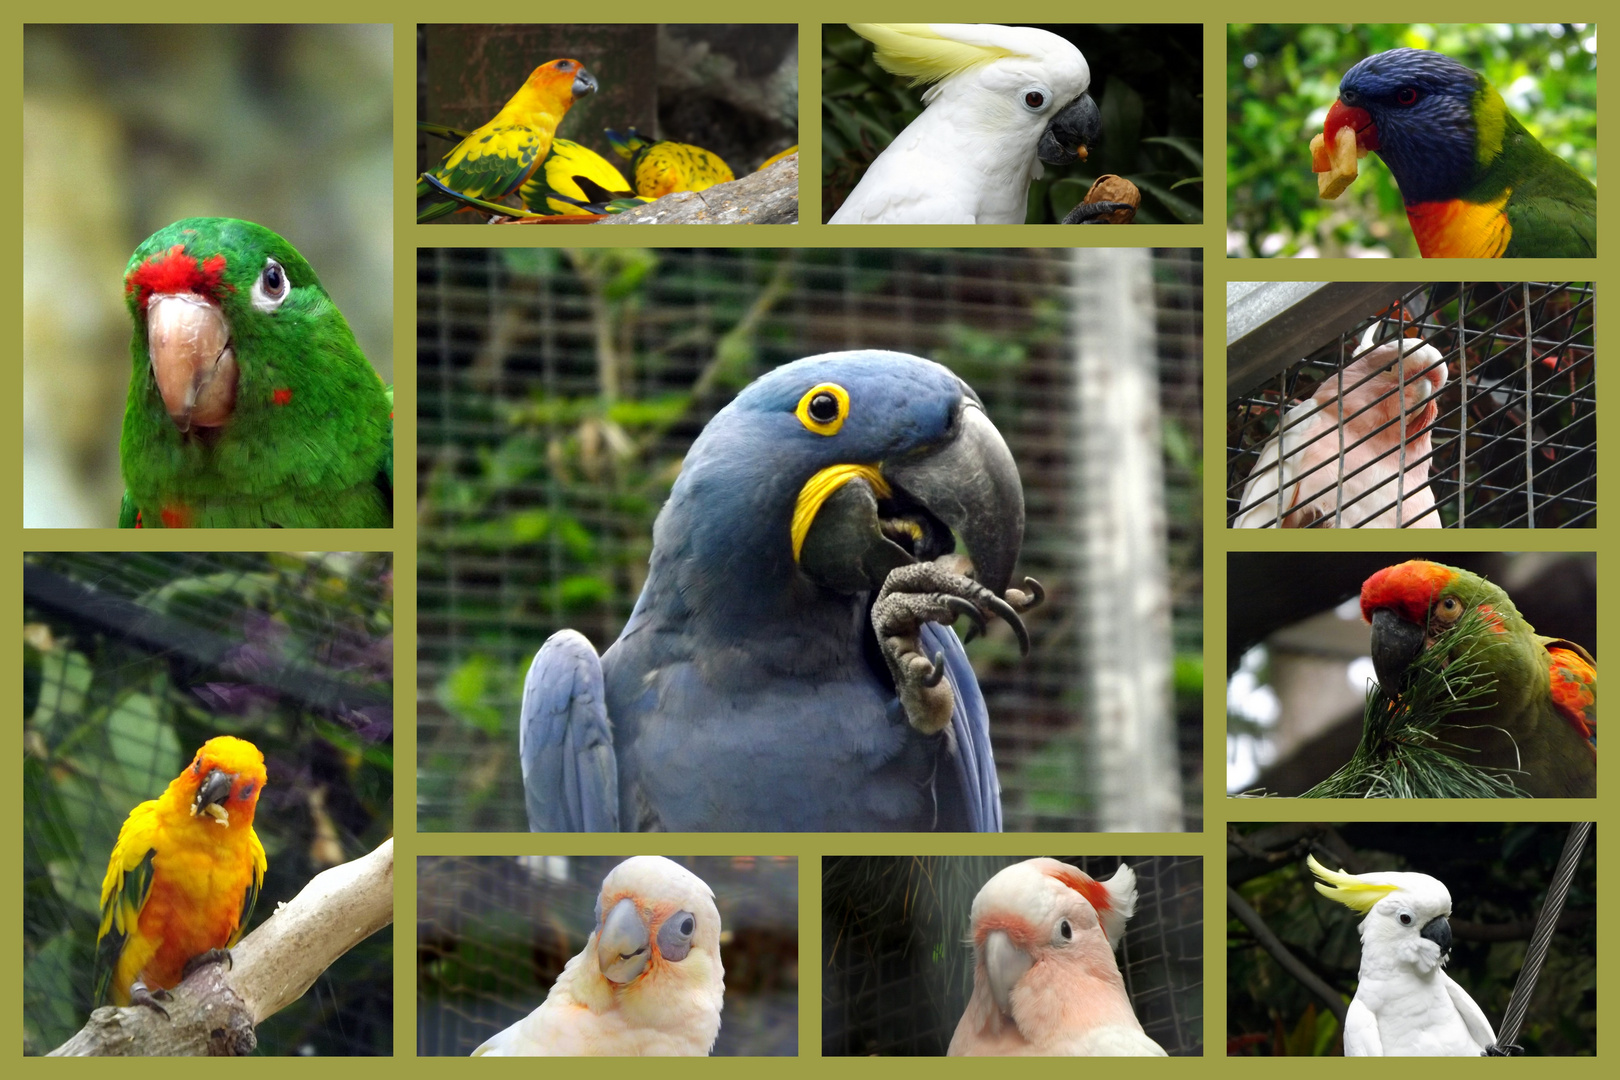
pixel 675 936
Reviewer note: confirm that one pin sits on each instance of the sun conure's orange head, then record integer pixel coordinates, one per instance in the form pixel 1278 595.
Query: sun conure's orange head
pixel 222 782
pixel 561 80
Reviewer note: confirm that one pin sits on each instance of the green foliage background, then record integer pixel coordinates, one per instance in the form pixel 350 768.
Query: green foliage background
pixel 1281 79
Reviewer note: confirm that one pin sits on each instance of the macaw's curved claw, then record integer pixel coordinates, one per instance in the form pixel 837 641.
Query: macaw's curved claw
pixel 1032 596
pixel 932 678
pixel 966 609
pixel 1010 617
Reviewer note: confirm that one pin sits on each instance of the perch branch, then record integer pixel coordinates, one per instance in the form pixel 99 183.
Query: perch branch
pixel 770 197
pixel 1270 942
pixel 214 1011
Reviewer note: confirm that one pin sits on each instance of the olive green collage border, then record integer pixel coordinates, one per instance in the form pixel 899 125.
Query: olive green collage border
pixel 809 848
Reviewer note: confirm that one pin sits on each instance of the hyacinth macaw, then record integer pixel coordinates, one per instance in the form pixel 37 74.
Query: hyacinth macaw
pixel 649 982
pixel 1539 723
pixel 497 159
pixel 1405 1003
pixel 662 168
pixel 1045 983
pixel 1476 184
pixel 785 667
pixel 250 404
pixel 1384 386
pixel 183 877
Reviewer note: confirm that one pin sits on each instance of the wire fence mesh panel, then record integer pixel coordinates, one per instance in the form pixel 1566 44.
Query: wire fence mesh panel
pixel 558 391
pixel 493 934
pixel 898 961
pixel 131 662
pixel 1493 385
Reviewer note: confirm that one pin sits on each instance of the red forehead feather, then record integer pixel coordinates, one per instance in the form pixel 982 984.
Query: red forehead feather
pixel 1094 892
pixel 1408 589
pixel 176 271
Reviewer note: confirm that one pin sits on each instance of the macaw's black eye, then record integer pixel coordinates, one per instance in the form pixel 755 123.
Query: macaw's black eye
pixel 1034 99
pixel 1407 95
pixel 823 408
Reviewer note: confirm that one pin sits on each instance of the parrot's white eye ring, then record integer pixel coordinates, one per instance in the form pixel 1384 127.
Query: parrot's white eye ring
pixel 1035 98
pixel 271 287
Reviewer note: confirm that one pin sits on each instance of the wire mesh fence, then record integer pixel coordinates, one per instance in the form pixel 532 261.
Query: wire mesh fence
pixel 558 391
pixel 131 662
pixel 898 962
pixel 493 934
pixel 1493 385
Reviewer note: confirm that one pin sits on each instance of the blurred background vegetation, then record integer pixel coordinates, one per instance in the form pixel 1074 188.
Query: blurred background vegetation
pixel 129 128
pixel 493 934
pixel 559 389
pixel 1148 81
pixel 1281 79
pixel 1497 874
pixel 131 661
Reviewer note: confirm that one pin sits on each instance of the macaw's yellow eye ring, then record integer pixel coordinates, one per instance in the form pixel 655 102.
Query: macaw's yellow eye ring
pixel 823 408
pixel 1449 609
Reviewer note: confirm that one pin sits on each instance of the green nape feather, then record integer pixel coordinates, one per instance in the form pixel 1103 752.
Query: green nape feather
pixel 307 441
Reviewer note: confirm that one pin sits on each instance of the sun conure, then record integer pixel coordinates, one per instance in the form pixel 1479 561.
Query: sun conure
pixel 1539 720
pixel 577 180
pixel 660 168
pixel 1476 184
pixel 183 877
pixel 500 157
pixel 250 404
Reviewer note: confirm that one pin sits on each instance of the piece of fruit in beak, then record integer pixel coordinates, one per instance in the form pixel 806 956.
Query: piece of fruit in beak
pixel 192 359
pixel 1346 137
pixel 211 794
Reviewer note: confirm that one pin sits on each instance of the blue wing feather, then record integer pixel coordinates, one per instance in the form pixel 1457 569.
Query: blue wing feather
pixel 970 723
pixel 570 770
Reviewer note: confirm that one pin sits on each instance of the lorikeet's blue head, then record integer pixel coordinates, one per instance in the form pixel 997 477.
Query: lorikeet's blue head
pixel 1424 114
pixel 832 469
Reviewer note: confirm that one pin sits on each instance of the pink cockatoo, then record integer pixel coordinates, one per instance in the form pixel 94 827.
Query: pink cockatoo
pixel 649 982
pixel 1309 446
pixel 1045 983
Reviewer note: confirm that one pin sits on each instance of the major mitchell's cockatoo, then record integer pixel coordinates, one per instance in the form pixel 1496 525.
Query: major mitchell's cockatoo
pixel 1370 409
pixel 1002 99
pixel 649 982
pixel 1405 1003
pixel 1045 983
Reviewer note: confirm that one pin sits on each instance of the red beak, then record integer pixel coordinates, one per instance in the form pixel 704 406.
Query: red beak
pixel 1342 115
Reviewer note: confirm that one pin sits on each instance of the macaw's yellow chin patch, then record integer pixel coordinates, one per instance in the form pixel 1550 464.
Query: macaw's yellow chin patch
pixel 817 489
pixel 1461 230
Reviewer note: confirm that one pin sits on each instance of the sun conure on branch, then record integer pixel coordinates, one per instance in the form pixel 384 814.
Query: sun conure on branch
pixel 500 157
pixel 1476 184
pixel 660 168
pixel 1539 719
pixel 250 404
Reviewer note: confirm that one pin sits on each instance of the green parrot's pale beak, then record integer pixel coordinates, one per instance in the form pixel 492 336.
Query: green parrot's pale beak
pixel 623 947
pixel 193 361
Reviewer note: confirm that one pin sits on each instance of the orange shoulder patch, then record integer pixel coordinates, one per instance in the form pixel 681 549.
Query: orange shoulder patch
pixel 1574 690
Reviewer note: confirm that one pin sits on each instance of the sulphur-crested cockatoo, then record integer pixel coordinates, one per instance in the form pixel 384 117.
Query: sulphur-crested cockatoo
pixel 649 981
pixel 1405 1003
pixel 1002 99
pixel 1044 978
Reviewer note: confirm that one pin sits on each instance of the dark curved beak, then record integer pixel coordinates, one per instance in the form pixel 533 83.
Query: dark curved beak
pixel 1395 644
pixel 1072 132
pixel 212 793
pixel 584 83
pixel 1438 930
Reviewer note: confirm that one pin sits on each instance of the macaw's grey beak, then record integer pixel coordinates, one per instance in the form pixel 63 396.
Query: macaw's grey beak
pixel 623 947
pixel 1004 964
pixel 193 363
pixel 1072 132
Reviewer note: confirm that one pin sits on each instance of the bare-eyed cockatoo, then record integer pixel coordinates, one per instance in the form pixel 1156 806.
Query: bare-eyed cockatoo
pixel 1002 100
pixel 1370 414
pixel 1405 1003
pixel 649 981
pixel 1044 978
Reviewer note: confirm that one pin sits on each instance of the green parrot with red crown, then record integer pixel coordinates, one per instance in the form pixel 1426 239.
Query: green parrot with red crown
pixel 250 403
pixel 1476 184
pixel 1540 719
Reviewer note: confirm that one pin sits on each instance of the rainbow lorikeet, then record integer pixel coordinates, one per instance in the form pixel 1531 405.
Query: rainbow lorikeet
pixel 183 877
pixel 1476 184
pixel 1538 720
pixel 495 160
pixel 250 404
pixel 661 168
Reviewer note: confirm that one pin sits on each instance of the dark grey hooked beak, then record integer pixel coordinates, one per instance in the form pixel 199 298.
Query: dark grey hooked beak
pixel 1395 644
pixel 1072 133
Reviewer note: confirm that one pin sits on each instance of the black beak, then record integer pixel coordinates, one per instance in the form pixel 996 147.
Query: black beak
pixel 1072 132
pixel 215 788
pixel 584 83
pixel 1438 930
pixel 1395 644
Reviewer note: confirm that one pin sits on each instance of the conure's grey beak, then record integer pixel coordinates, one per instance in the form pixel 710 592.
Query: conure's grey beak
pixel 1004 964
pixel 584 83
pixel 1395 644
pixel 212 793
pixel 623 947
pixel 1072 132
pixel 193 362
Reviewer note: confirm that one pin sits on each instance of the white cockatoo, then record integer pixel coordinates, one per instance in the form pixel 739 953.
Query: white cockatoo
pixel 1002 100
pixel 1405 1003
pixel 1045 983
pixel 649 982
pixel 1370 415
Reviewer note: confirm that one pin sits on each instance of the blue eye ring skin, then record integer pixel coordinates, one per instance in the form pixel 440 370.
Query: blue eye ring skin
pixel 247 792
pixel 675 936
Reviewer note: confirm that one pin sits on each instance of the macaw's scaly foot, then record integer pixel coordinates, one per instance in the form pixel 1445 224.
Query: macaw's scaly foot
pixel 140 995
pixel 212 956
pixel 940 592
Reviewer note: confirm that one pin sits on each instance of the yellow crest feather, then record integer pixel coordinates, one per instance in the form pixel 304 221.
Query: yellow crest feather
pixel 917 52
pixel 1347 889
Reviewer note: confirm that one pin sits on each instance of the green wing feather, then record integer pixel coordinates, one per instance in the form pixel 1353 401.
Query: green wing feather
pixel 123 895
